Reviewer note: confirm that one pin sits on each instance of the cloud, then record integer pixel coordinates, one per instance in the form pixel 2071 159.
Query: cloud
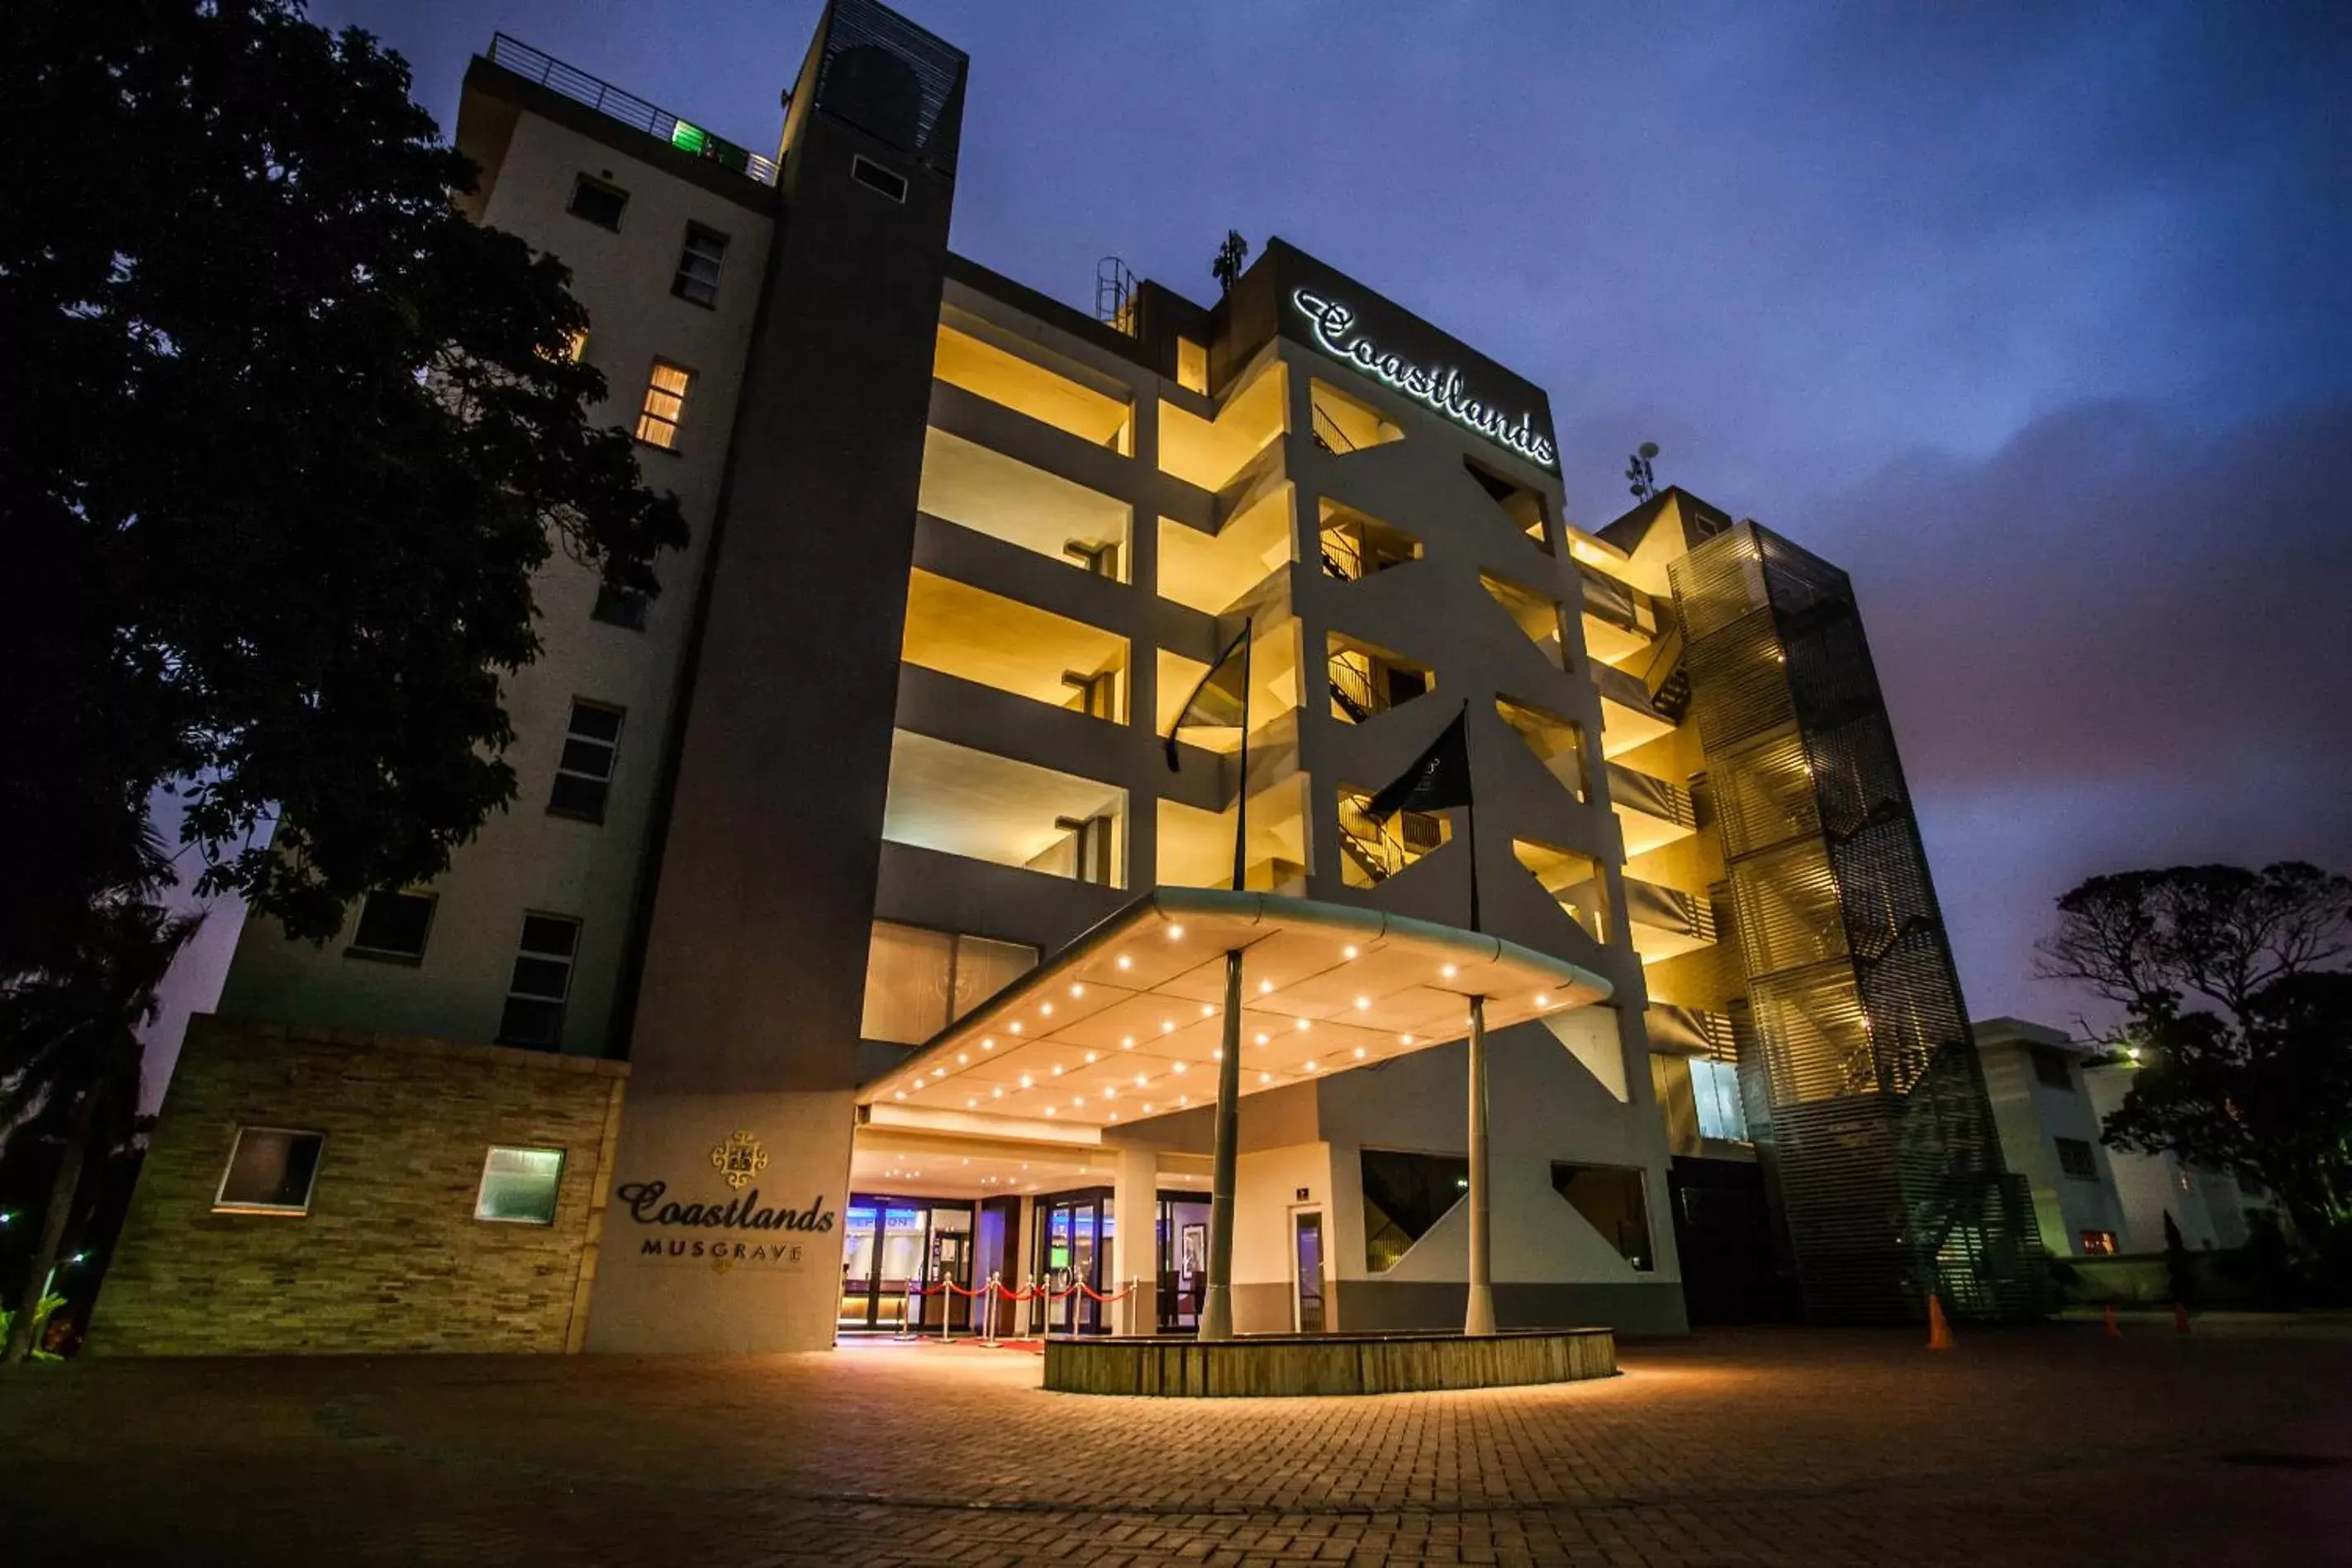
pixel 2116 642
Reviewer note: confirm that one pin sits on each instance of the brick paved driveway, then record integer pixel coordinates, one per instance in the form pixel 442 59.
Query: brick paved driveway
pixel 2026 1447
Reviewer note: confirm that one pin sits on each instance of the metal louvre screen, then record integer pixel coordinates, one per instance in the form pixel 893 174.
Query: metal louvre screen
pixel 897 83
pixel 1855 776
pixel 1764 795
pixel 1717 582
pixel 1787 902
pixel 1739 687
pixel 1815 1036
pixel 1853 1035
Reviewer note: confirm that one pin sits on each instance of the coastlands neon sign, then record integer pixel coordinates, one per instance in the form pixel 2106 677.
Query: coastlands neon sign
pixel 1438 386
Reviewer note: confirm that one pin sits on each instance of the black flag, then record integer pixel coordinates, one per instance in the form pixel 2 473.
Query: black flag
pixel 1222 700
pixel 1438 778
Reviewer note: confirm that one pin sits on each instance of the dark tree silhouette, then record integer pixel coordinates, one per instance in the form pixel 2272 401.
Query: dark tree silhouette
pixel 72 1033
pixel 284 437
pixel 2258 1084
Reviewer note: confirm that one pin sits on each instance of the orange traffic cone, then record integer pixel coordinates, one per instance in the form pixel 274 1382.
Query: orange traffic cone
pixel 2180 1318
pixel 1939 1333
pixel 2108 1328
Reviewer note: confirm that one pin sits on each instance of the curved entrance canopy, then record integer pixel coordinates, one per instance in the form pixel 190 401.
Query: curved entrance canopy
pixel 1123 1023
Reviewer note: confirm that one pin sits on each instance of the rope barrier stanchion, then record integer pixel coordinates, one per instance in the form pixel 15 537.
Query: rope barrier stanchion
pixel 988 1293
pixel 947 1313
pixel 907 1312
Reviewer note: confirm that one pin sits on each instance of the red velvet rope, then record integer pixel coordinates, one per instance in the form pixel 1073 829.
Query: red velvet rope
pixel 1029 1294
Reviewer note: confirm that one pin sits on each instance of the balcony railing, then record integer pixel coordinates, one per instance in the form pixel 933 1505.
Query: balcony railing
pixel 1620 604
pixel 1669 910
pixel 1651 796
pixel 615 103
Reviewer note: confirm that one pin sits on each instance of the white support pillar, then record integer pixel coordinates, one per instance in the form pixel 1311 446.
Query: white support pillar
pixel 1135 1246
pixel 1478 1317
pixel 1217 1300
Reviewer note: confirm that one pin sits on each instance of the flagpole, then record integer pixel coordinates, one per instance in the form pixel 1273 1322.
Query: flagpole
pixel 1216 1321
pixel 1478 1311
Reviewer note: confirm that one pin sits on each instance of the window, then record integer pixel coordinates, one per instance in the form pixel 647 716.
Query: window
pixel 519 1186
pixel 917 982
pixel 584 774
pixel 624 607
pixel 1609 1198
pixel 2053 1068
pixel 1404 1195
pixel 1715 1086
pixel 696 282
pixel 2099 1243
pixel 393 926
pixel 874 176
pixel 2075 1158
pixel 271 1171
pixel 599 202
pixel 542 979
pixel 665 406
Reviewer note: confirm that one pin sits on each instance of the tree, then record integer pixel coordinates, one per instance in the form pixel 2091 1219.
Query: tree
pixel 73 1033
pixel 2222 933
pixel 2270 1099
pixel 1227 268
pixel 2259 1082
pixel 302 435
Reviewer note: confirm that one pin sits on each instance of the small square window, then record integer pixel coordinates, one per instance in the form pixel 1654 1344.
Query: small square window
pixel 271 1170
pixel 698 266
pixel 541 982
pixel 393 926
pixel 2053 1068
pixel 624 607
pixel 598 202
pixel 665 406
pixel 584 774
pixel 519 1186
pixel 2099 1243
pixel 2075 1158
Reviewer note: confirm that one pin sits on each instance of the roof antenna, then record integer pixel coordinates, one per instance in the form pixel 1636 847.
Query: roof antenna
pixel 1638 469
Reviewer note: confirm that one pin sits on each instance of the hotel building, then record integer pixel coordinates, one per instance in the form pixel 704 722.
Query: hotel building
pixel 853 937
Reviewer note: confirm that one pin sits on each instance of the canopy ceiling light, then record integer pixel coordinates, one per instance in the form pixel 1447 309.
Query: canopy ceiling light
pixel 1123 1024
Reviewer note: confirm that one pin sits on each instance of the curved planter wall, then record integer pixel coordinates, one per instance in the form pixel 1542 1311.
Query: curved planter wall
pixel 1290 1365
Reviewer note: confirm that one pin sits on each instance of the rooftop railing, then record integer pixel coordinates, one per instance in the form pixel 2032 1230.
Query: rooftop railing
pixel 615 103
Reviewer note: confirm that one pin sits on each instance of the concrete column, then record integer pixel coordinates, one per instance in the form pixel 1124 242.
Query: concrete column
pixel 1135 1250
pixel 1478 1318
pixel 1217 1299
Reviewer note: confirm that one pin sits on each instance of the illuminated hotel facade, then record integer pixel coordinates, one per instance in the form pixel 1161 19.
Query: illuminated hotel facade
pixel 852 936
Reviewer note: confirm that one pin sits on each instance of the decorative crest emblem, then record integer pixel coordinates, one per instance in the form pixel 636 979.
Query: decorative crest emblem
pixel 739 1160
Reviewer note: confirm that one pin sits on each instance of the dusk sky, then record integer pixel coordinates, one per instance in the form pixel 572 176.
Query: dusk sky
pixel 2038 320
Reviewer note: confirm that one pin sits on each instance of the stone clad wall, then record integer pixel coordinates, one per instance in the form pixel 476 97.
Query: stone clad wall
pixel 389 1256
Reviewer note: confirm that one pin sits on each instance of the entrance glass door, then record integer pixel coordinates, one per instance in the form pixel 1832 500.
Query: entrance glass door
pixel 858 1265
pixel 1074 1235
pixel 1307 1232
pixel 1184 1261
pixel 951 1261
pixel 892 1244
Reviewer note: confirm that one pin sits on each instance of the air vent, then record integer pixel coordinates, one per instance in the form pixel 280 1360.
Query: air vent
pixel 868 172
